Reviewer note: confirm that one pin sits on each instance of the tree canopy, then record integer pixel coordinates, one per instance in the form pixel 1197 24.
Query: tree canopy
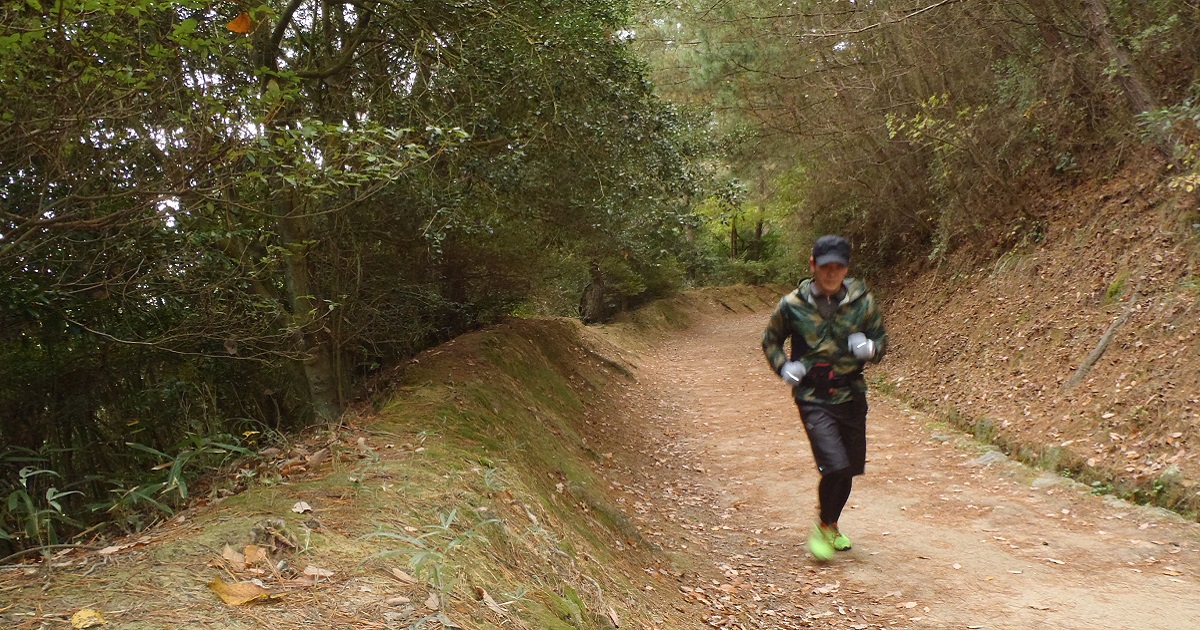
pixel 915 127
pixel 216 217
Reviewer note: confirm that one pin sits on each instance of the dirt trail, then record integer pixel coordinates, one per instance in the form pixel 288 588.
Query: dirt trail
pixel 946 534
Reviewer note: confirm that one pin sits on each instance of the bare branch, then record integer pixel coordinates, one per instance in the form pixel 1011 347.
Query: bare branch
pixel 879 24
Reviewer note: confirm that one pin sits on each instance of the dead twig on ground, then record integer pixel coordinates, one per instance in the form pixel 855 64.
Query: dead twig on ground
pixel 1105 339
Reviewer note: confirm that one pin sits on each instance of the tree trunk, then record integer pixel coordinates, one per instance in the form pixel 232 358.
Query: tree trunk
pixel 313 338
pixel 733 238
pixel 1129 77
pixel 591 303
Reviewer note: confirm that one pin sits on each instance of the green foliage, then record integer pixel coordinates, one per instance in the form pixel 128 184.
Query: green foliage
pixel 1178 126
pixel 199 226
pixel 31 509
pixel 164 486
pixel 1116 288
pixel 430 554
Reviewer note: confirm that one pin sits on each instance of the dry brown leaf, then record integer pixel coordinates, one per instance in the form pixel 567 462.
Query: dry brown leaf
pixel 302 507
pixel 432 602
pixel 87 618
pixel 238 593
pixel 234 557
pixel 111 549
pixel 317 458
pixel 255 554
pixel 317 572
pixel 241 24
pixel 612 616
pixel 489 602
pixel 292 467
pixel 403 577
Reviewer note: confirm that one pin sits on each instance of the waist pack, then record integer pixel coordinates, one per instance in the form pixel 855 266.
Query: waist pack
pixel 823 381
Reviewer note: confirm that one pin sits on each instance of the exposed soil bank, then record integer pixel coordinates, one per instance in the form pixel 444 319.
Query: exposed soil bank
pixel 1000 347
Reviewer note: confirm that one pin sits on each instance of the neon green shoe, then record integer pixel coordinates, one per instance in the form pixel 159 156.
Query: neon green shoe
pixel 820 542
pixel 841 542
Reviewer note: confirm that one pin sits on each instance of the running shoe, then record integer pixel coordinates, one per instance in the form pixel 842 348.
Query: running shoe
pixel 820 542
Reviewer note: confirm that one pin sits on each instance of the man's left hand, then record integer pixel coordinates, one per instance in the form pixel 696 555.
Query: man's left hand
pixel 862 348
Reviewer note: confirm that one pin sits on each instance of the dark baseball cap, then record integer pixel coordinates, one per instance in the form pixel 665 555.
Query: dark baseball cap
pixel 831 249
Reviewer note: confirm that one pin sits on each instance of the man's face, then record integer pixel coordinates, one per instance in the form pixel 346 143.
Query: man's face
pixel 828 277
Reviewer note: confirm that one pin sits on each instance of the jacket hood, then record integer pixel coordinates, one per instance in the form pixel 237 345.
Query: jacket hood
pixel 855 289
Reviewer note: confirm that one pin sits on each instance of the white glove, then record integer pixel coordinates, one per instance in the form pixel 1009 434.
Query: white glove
pixel 792 372
pixel 862 347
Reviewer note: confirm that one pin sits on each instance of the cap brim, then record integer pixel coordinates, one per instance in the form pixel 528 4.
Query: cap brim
pixel 831 258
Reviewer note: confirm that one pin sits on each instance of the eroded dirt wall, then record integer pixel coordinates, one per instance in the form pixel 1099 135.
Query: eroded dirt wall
pixel 996 346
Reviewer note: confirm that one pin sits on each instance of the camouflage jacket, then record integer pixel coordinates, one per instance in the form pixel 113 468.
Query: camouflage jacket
pixel 816 340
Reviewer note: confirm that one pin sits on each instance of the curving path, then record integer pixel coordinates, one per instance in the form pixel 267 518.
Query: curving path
pixel 947 535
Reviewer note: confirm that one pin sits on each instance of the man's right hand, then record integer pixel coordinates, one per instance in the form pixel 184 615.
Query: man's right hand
pixel 792 372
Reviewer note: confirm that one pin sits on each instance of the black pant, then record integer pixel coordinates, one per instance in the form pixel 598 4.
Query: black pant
pixel 838 436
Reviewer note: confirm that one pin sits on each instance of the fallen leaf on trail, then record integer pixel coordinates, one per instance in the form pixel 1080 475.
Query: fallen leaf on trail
pixel 292 467
pixel 612 616
pixel 302 507
pixel 907 605
pixel 87 618
pixel 1171 571
pixel 827 589
pixel 317 458
pixel 1014 571
pixel 489 602
pixel 317 572
pixel 397 601
pixel 255 554
pixel 1055 561
pixel 403 577
pixel 111 549
pixel 238 593
pixel 234 557
pixel 241 24
pixel 432 602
